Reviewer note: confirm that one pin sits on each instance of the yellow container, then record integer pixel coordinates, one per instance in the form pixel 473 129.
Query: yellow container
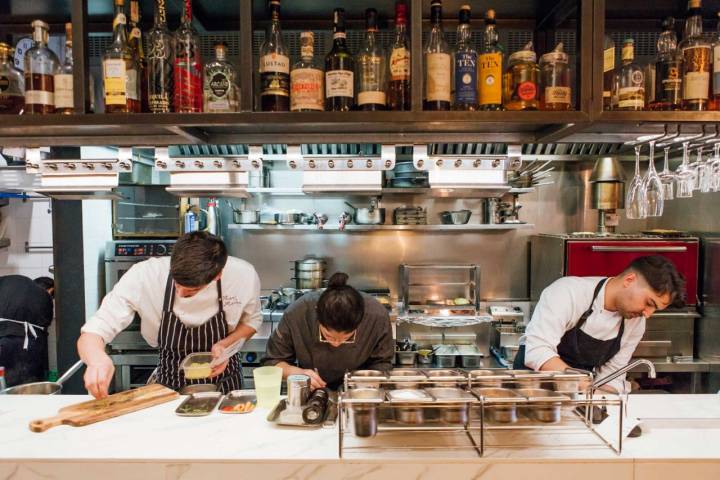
pixel 267 386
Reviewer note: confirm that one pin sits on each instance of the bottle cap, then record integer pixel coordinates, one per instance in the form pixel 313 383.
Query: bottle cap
pixel 400 13
pixel 558 55
pixel 68 32
pixel 52 376
pixel 464 14
pixel 527 54
pixel 490 16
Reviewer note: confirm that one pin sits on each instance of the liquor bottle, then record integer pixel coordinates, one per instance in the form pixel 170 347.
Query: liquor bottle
pixel 274 66
pixel 12 83
pixel 490 67
pixel 716 68
pixel 668 83
pixel 63 80
pixel 371 68
pixel 631 92
pixel 187 79
pixel 696 54
pixel 437 64
pixel 465 88
pixel 399 63
pixel 220 91
pixel 307 87
pixel 136 46
pixel 40 67
pixel 339 69
pixel 608 71
pixel 160 63
pixel 120 69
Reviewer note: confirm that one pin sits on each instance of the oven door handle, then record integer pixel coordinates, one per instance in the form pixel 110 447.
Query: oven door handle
pixel 607 248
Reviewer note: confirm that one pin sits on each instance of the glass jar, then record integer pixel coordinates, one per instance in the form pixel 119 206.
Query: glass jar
pixel 555 92
pixel 521 80
pixel 12 83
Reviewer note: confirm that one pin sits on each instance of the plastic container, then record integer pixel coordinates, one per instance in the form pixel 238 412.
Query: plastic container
pixel 267 386
pixel 196 366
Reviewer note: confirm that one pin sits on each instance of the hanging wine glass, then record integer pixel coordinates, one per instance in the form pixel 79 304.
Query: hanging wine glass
pixel 653 188
pixel 704 174
pixel 635 198
pixel 667 177
pixel 715 169
pixel 685 175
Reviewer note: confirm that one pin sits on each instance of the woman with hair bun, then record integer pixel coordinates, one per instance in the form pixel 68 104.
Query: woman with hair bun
pixel 323 335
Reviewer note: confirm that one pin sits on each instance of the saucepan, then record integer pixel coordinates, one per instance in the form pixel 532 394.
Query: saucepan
pixel 368 216
pixel 43 388
pixel 244 216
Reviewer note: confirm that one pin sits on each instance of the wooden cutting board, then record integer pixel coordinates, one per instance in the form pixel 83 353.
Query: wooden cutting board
pixel 85 413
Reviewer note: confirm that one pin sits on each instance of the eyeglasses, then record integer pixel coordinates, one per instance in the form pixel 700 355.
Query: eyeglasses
pixel 350 340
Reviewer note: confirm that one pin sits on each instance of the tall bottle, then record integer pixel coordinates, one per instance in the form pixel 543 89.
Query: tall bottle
pixel 220 91
pixel 668 82
pixel 120 69
pixel 339 69
pixel 399 63
pixel 63 80
pixel 437 64
pixel 136 45
pixel 490 67
pixel 696 53
pixel 12 83
pixel 371 68
pixel 465 67
pixel 631 92
pixel 188 66
pixel 307 79
pixel 274 66
pixel 40 67
pixel 608 71
pixel 716 68
pixel 160 63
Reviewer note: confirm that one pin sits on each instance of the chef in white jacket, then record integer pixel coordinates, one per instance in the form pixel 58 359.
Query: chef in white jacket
pixel 595 323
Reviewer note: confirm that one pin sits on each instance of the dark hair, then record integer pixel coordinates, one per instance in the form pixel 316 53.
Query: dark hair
pixel 46 283
pixel 197 258
pixel 340 307
pixel 662 276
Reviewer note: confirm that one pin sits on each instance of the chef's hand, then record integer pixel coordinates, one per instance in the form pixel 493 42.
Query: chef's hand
pixel 98 376
pixel 315 380
pixel 217 351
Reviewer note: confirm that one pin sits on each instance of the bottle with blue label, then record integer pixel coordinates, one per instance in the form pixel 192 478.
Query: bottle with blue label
pixel 191 221
pixel 465 63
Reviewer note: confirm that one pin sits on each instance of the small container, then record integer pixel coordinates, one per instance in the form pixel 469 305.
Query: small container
pixel 424 356
pixel 445 377
pixel 524 379
pixel 521 82
pixel 543 405
pixel 298 390
pixel 486 379
pixel 499 404
pixel 196 366
pixel 407 377
pixel 409 395
pixel 406 358
pixel 367 378
pixel 445 361
pixel 199 404
pixel 410 415
pixel 364 409
pixel 555 91
pixel 238 402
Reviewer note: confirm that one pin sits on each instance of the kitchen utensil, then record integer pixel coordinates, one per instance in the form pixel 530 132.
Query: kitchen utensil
pixel 242 215
pixel 317 404
pixel 298 390
pixel 228 353
pixel 86 413
pixel 344 219
pixel 364 420
pixel 543 405
pixel 368 216
pixel 267 385
pixel 310 264
pixel 490 211
pixel 457 217
pixel 198 404
pixel 238 401
pixel 291 218
pixel 43 388
pixel 268 218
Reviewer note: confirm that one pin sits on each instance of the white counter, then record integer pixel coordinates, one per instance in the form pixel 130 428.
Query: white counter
pixel 681 439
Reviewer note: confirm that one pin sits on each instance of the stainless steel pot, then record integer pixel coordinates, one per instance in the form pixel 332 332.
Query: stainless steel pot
pixel 246 216
pixel 43 388
pixel 410 415
pixel 310 275
pixel 291 218
pixel 310 264
pixel 458 217
pixel 368 216
pixel 309 284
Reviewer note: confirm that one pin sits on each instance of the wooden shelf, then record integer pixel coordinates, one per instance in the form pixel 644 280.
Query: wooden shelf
pixel 373 228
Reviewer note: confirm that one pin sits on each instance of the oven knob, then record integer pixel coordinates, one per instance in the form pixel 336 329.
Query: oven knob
pixel 161 250
pixel 250 357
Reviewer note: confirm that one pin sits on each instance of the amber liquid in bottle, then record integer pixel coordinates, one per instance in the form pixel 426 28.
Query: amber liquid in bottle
pixel 43 83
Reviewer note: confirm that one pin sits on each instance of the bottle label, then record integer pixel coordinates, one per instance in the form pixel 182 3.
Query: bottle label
pixel 4 83
pixel 366 98
pixel 339 83
pixel 438 77
pixel 527 91
pixel 188 86
pixel 696 85
pixel 557 95
pixel 631 97
pixel 274 75
pixel 609 59
pixel 274 63
pixel 716 70
pixel 115 82
pixel 306 89
pixel 466 78
pixel 219 85
pixel 306 51
pixel 218 106
pixel 159 102
pixel 628 52
pixel 63 90
pixel 490 78
pixel 132 84
pixel 400 64
pixel 39 97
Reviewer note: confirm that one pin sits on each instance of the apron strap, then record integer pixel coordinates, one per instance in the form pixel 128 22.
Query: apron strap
pixel 169 294
pixel 29 328
pixel 589 311
pixel 219 291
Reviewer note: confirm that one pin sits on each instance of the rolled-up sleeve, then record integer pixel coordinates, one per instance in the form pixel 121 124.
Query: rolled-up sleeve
pixel 382 353
pixel 548 324
pixel 631 337
pixel 280 346
pixel 252 312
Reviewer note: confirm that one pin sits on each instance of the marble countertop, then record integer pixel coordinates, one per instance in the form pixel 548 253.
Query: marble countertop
pixel 675 427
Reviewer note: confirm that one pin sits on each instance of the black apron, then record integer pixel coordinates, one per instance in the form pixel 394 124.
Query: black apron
pixel 176 341
pixel 577 348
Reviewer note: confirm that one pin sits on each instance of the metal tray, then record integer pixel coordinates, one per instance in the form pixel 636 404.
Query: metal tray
pixel 407 375
pixel 445 374
pixel 364 396
pixel 498 395
pixel 450 395
pixel 199 404
pixel 409 395
pixel 238 397
pixel 541 395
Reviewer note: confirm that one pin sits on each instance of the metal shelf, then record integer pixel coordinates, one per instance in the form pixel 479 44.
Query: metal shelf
pixel 372 228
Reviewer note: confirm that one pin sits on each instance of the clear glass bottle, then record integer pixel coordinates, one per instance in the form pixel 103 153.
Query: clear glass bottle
pixel 41 63
pixel 668 69
pixel 716 68
pixel 399 63
pixel 120 69
pixel 696 53
pixel 490 66
pixel 521 83
pixel 555 90
pixel 187 79
pixel 371 68
pixel 220 91
pixel 160 63
pixel 64 101
pixel 339 69
pixel 631 87
pixel 437 64
pixel 12 83
pixel 465 65
pixel 608 71
pixel 136 45
pixel 274 66
pixel 307 87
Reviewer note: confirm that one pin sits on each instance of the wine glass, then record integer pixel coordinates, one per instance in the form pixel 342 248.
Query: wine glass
pixel 704 174
pixel 715 169
pixel 635 198
pixel 685 175
pixel 667 177
pixel 653 188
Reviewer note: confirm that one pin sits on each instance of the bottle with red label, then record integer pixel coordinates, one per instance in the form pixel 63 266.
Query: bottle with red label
pixel 521 80
pixel 188 84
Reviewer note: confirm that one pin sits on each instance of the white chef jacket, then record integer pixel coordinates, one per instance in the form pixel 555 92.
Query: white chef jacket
pixel 559 309
pixel 142 289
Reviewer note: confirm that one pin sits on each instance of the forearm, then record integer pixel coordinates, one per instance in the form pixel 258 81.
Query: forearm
pixel 555 364
pixel 241 331
pixel 289 369
pixel 91 348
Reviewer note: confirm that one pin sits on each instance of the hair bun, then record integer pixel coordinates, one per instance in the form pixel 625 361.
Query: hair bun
pixel 338 280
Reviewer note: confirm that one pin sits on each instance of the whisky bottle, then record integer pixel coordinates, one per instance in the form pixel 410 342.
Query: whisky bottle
pixel 339 69
pixel 465 66
pixel 274 66
pixel 716 68
pixel 307 88
pixel 608 71
pixel 136 46
pixel 668 82
pixel 490 67
pixel 371 68
pixel 63 80
pixel 220 91
pixel 631 89
pixel 12 83
pixel 399 63
pixel 696 54
pixel 120 69
pixel 437 64
pixel 41 63
pixel 160 63
pixel 187 79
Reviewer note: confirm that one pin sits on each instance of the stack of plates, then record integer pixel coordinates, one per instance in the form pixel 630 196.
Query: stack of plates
pixel 410 216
